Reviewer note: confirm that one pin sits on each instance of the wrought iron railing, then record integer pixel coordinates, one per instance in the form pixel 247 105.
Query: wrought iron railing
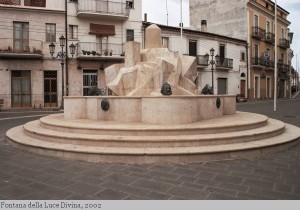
pixel 99 49
pixel 224 62
pixel 26 46
pixel 202 60
pixel 10 2
pixel 258 32
pixel 258 61
pixel 270 63
pixel 283 67
pixel 284 43
pixel 102 6
pixel 270 38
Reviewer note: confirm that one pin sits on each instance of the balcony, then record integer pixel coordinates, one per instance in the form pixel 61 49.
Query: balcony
pixel 98 51
pixel 258 33
pixel 11 2
pixel 102 9
pixel 284 43
pixel 259 62
pixel 270 38
pixel 283 67
pixel 27 3
pixel 270 64
pixel 21 49
pixel 202 60
pixel 224 63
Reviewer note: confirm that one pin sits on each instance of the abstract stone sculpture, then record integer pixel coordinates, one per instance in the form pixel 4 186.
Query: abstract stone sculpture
pixel 145 72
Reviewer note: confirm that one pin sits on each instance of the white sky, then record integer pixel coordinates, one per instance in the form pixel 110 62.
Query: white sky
pixel 157 13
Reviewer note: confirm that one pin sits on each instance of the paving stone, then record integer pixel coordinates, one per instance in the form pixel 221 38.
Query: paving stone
pixel 267 173
pixel 249 196
pixel 206 175
pixel 259 184
pixel 126 188
pixel 140 176
pixel 215 165
pixel 28 173
pixel 239 168
pixel 193 186
pixel 158 196
pixel 162 168
pixel 117 166
pixel 9 167
pixel 152 185
pixel 14 192
pixel 246 175
pixel 272 194
pixel 206 182
pixel 219 196
pixel 83 188
pixel 187 179
pixel 185 172
pixel 168 181
pixel 188 193
pixel 50 190
pixel 59 182
pixel 4 177
pixel 283 188
pixel 96 172
pixel 119 178
pixel 229 179
pixel 22 182
pixel 219 190
pixel 134 197
pixel 168 176
pixel 52 171
pixel 80 197
pixel 38 196
pixel 90 180
pixel 229 186
pixel 109 194
pixel 137 170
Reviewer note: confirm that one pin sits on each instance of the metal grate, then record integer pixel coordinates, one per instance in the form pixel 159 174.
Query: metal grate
pixel 35 3
pixel 10 2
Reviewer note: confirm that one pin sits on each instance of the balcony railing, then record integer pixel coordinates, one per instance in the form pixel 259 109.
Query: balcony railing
pixel 99 50
pixel 284 43
pixel 10 2
pixel 103 7
pixel 21 48
pixel 283 67
pixel 35 3
pixel 202 60
pixel 270 64
pixel 226 63
pixel 270 38
pixel 258 62
pixel 258 32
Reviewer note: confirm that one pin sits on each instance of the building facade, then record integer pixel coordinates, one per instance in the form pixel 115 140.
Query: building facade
pixel 230 69
pixel 253 21
pixel 30 77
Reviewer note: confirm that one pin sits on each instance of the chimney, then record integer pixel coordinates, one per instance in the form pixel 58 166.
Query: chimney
pixel 145 17
pixel 204 25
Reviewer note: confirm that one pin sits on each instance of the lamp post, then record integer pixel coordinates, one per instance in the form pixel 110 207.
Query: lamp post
pixel 212 63
pixel 62 56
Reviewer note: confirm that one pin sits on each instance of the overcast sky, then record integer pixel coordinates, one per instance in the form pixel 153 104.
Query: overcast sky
pixel 157 13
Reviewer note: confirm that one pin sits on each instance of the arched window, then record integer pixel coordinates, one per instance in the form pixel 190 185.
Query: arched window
pixel 243 75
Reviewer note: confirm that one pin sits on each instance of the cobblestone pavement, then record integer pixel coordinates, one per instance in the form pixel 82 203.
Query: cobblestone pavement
pixel 29 176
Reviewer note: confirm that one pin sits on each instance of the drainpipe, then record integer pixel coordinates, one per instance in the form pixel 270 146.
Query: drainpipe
pixel 67 47
pixel 247 56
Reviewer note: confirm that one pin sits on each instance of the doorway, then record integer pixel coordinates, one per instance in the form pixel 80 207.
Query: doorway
pixel 50 88
pixel 222 86
pixel 21 88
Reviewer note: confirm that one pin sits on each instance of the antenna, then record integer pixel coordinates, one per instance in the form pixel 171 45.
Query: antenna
pixel 167 12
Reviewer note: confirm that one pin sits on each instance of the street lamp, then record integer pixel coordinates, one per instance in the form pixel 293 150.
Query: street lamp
pixel 62 56
pixel 212 63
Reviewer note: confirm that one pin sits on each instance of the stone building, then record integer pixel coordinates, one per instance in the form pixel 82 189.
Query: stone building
pixel 28 75
pixel 230 69
pixel 30 78
pixel 253 21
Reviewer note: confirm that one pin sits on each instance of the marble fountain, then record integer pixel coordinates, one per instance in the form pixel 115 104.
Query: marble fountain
pixel 139 124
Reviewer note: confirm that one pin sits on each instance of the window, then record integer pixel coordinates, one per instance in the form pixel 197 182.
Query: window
pixel 50 32
pixel 243 56
pixel 73 32
pixel 282 33
pixel 256 51
pixel 74 1
pixel 21 36
pixel 165 42
pixel 268 27
pixel 129 35
pixel 90 79
pixel 130 4
pixel 256 20
pixel 35 3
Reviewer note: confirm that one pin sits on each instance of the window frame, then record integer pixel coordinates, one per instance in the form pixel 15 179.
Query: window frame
pixel 52 37
pixel 129 37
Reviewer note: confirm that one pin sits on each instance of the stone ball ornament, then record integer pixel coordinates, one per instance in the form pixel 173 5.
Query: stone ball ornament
pixel 166 89
pixel 105 105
